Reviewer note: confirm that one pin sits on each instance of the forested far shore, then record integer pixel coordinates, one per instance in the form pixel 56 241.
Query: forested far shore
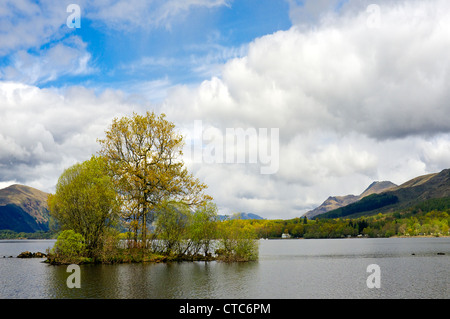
pixel 434 223
pixel 407 224
pixel 10 234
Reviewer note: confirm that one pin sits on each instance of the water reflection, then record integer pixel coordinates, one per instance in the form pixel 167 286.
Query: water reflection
pixel 165 280
pixel 286 269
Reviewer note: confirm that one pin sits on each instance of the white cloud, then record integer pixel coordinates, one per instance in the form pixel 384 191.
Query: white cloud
pixel 68 57
pixel 37 44
pixel 353 104
pixel 44 131
pixel 27 24
pixel 344 76
pixel 136 14
pixel 435 151
pixel 39 47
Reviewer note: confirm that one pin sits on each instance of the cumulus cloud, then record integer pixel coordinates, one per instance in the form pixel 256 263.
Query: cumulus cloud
pixel 354 102
pixel 342 76
pixel 68 57
pixel 44 131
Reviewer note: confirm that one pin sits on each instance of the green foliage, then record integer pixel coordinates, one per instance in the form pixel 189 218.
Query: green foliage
pixel 172 226
pixel 70 248
pixel 140 182
pixel 186 234
pixel 203 228
pixel 410 222
pixel 434 204
pixel 85 201
pixel 107 252
pixel 10 234
pixel 143 153
pixel 237 242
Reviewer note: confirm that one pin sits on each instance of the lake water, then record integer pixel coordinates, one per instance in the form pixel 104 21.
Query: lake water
pixel 287 269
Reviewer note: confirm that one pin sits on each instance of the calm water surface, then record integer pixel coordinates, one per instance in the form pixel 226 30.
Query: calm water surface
pixel 316 268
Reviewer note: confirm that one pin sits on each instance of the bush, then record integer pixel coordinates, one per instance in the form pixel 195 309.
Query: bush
pixel 70 248
pixel 237 243
pixel 108 248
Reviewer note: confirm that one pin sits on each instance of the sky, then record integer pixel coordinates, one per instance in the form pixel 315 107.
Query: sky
pixel 282 103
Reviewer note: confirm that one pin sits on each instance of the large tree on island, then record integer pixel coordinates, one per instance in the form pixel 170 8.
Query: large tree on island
pixel 144 153
pixel 86 202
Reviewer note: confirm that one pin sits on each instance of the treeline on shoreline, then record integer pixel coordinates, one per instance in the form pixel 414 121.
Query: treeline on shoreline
pixel 10 234
pixel 409 223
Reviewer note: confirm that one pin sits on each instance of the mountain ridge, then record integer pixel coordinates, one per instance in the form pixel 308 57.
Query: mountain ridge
pixel 335 202
pixel 407 195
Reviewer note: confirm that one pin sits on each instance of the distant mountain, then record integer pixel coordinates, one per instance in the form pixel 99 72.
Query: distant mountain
pixel 413 192
pixel 335 202
pixel 23 209
pixel 240 216
pixel 377 188
pixel 423 188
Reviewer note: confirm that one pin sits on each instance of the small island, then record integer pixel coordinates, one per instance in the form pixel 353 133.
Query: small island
pixel 136 202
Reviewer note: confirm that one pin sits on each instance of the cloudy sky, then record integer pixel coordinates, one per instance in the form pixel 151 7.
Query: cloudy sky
pixel 331 94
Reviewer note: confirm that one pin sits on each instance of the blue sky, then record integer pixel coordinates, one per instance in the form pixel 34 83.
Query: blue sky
pixel 184 49
pixel 357 90
pixel 176 53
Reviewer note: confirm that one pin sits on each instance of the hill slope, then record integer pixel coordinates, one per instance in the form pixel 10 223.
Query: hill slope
pixel 335 202
pixel 423 188
pixel 408 194
pixel 23 209
pixel 377 188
